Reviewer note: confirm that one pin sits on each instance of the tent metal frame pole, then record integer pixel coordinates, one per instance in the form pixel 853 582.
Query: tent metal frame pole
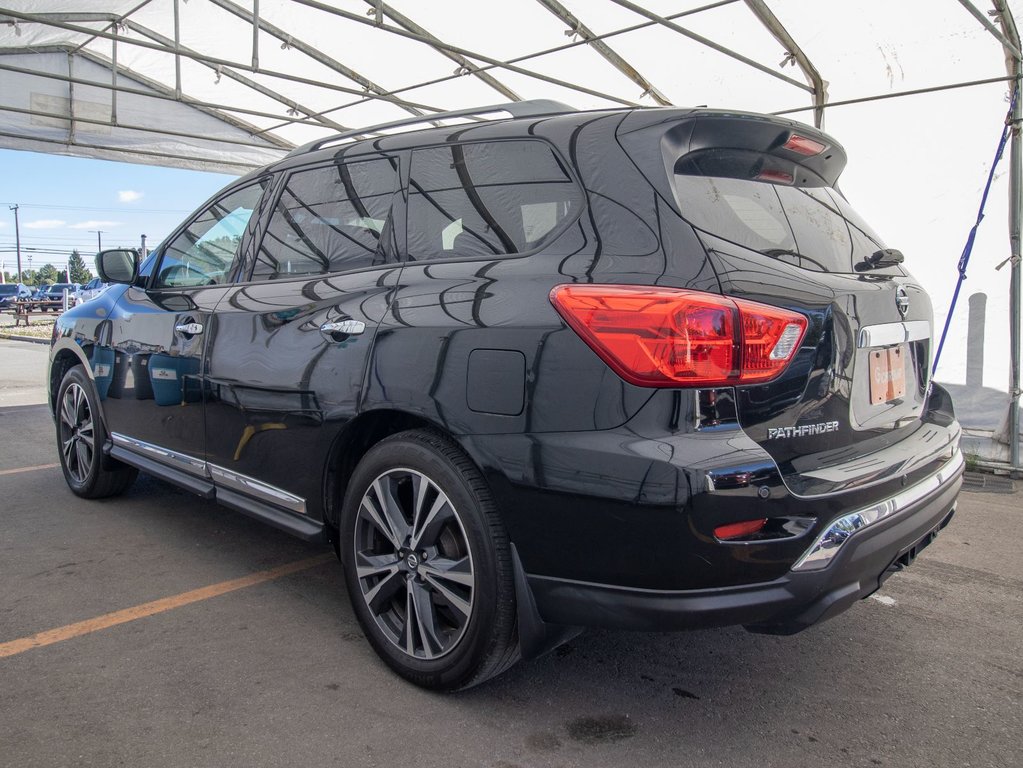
pixel 206 106
pixel 576 27
pixel 292 41
pixel 46 20
pixel 523 57
pixel 237 77
pixel 437 45
pixel 1015 66
pixel 897 94
pixel 664 22
pixel 210 163
pixel 381 9
pixel 795 53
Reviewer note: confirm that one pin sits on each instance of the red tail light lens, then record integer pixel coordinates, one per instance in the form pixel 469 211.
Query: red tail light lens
pixel 668 337
pixel 804 146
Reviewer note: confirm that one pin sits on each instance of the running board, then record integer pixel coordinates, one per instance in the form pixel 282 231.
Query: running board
pixel 196 485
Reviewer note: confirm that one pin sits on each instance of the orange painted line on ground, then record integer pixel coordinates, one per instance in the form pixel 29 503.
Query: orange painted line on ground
pixel 51 636
pixel 27 469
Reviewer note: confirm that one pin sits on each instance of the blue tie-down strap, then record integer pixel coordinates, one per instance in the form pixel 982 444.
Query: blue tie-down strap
pixel 964 260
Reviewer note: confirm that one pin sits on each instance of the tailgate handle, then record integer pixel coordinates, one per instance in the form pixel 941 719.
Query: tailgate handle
pixel 189 329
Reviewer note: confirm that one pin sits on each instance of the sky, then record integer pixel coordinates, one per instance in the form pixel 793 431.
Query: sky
pixel 64 200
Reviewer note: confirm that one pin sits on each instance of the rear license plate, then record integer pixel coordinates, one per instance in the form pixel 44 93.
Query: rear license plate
pixel 888 373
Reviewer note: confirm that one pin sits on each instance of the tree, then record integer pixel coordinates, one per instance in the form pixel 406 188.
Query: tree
pixel 47 274
pixel 76 266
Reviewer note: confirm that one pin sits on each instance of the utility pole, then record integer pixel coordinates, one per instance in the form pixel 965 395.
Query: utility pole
pixel 99 239
pixel 143 249
pixel 17 237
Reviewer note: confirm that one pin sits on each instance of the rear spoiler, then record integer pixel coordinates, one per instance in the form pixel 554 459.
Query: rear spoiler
pixel 688 134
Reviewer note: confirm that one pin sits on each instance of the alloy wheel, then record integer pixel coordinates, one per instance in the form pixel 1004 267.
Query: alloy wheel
pixel 414 564
pixel 77 435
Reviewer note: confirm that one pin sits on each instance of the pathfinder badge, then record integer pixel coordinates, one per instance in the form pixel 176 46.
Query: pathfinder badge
pixel 804 430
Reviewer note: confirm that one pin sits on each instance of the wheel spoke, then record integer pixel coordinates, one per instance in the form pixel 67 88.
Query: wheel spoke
pixel 84 459
pixel 408 633
pixel 426 620
pixel 85 429
pixel 378 598
pixel 67 448
pixel 426 533
pixel 367 566
pixel 461 605
pixel 456 571
pixel 67 414
pixel 378 520
pixel 391 509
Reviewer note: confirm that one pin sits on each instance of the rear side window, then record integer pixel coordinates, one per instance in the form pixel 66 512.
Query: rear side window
pixel 487 199
pixel 738 197
pixel 329 219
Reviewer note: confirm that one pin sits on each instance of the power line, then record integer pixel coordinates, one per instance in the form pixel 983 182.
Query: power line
pixel 102 210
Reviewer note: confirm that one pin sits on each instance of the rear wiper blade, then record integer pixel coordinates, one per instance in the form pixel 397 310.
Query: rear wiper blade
pixel 886 257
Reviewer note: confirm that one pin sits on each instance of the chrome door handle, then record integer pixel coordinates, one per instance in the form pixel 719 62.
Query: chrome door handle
pixel 190 329
pixel 343 327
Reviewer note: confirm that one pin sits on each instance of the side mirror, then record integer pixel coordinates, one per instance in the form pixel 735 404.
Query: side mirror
pixel 119 265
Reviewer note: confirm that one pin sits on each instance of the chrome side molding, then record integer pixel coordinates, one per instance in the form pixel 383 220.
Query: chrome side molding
pixel 250 486
pixel 221 476
pixel 182 461
pixel 826 546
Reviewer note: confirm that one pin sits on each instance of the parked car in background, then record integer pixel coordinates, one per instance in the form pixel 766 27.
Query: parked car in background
pixel 56 293
pixel 39 294
pixel 92 289
pixel 11 292
pixel 625 368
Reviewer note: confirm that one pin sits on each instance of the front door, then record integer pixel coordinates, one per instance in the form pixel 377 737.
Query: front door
pixel 152 399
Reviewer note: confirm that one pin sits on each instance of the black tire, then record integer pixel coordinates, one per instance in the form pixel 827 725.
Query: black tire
pixel 80 437
pixel 433 591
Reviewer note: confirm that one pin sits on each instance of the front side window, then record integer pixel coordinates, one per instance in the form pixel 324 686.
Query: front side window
pixel 487 199
pixel 206 251
pixel 329 219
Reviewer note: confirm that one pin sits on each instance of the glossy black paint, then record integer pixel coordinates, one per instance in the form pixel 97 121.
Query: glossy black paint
pixel 598 481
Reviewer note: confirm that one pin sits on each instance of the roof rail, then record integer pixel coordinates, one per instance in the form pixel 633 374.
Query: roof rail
pixel 531 108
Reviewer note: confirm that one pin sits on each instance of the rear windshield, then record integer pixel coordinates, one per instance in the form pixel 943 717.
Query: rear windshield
pixel 782 211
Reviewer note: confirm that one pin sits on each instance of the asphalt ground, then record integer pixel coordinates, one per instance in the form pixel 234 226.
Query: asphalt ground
pixel 232 661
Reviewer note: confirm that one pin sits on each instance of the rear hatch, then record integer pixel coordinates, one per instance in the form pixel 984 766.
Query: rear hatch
pixel 852 407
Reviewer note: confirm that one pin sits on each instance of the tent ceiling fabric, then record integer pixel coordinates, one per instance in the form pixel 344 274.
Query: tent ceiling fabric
pixel 232 84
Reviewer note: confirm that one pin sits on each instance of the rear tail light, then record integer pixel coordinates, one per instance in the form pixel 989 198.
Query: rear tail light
pixel 668 337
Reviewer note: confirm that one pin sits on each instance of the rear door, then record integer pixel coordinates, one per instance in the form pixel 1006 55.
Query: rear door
pixel 288 346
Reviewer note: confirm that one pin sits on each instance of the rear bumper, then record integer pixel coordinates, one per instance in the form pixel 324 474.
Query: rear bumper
pixel 786 605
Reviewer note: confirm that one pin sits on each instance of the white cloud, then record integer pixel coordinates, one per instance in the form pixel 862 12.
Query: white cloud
pixel 92 224
pixel 44 224
pixel 129 195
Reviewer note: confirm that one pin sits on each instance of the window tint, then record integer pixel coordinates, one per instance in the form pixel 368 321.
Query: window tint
pixel 487 199
pixel 329 219
pixel 205 252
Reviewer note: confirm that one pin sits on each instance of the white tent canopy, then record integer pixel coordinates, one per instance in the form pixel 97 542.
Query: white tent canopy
pixel 915 90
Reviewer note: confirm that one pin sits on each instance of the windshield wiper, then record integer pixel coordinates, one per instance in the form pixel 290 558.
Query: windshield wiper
pixel 887 257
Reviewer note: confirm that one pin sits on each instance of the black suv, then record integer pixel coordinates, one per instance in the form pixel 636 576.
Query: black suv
pixel 643 369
